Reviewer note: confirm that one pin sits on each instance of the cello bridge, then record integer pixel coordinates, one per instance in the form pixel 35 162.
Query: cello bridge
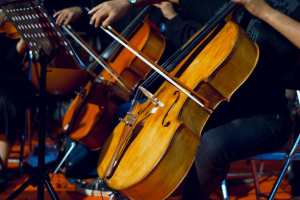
pixel 154 100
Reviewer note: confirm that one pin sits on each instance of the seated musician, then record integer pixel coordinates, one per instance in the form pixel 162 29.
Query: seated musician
pixel 13 92
pixel 256 119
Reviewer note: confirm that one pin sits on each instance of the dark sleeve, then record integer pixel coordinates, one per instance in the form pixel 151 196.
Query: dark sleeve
pixel 179 31
pixel 296 15
pixel 80 3
pixel 85 16
pixel 200 10
pixel 189 7
pixel 13 58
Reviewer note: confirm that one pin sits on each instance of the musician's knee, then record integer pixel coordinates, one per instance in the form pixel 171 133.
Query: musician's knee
pixel 211 153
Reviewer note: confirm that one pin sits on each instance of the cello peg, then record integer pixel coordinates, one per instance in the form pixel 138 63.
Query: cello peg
pixel 82 92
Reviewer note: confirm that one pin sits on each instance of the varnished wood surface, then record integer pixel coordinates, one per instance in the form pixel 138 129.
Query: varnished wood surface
pixel 59 80
pixel 91 121
pixel 139 170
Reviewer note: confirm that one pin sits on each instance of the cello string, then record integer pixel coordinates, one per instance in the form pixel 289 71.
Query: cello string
pixel 151 79
pixel 198 38
pixel 96 63
pixel 171 80
pixel 154 76
pixel 115 44
pixel 96 58
pixel 186 48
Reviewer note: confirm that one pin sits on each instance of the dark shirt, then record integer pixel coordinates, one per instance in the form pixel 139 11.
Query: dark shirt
pixel 10 63
pixel 15 93
pixel 264 91
pixel 178 30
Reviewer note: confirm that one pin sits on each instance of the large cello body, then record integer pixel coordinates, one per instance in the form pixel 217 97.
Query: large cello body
pixel 90 116
pixel 149 158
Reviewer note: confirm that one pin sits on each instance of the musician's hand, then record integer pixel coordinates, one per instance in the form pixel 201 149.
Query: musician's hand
pixel 67 15
pixel 258 8
pixel 167 9
pixel 109 11
pixel 21 47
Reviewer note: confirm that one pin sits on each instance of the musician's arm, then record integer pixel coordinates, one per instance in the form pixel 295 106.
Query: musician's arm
pixel 15 51
pixel 287 26
pixel 21 47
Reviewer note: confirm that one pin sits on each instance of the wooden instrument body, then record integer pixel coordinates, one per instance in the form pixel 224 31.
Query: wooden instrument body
pixel 8 28
pixel 59 80
pixel 10 31
pixel 87 111
pixel 163 143
pixel 143 38
pixel 89 119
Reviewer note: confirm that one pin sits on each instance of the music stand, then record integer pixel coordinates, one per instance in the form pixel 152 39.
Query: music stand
pixel 52 50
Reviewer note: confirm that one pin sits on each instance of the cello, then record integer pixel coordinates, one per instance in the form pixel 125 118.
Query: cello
pixel 171 123
pixel 8 28
pixel 89 118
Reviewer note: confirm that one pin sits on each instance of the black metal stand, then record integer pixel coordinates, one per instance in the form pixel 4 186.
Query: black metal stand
pixel 41 178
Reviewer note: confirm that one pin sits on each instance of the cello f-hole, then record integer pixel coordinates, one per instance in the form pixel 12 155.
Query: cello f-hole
pixel 163 121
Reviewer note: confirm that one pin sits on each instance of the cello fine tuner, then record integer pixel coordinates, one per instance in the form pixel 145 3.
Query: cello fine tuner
pixel 131 115
pixel 150 96
pixel 125 121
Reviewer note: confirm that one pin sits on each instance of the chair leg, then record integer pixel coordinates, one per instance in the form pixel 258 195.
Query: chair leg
pixel 224 190
pixel 73 145
pixel 284 168
pixel 287 162
pixel 255 179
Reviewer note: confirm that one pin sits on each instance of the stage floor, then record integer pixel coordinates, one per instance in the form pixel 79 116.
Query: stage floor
pixel 239 187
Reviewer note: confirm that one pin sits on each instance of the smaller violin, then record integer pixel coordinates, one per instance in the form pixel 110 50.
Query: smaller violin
pixel 7 27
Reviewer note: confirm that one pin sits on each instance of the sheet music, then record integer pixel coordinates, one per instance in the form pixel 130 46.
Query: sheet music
pixel 38 29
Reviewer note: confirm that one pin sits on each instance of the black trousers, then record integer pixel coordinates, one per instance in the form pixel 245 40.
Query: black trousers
pixel 235 140
pixel 12 112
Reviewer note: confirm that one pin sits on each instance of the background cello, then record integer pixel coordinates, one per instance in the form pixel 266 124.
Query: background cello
pixel 89 118
pixel 149 156
pixel 8 28
pixel 59 80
